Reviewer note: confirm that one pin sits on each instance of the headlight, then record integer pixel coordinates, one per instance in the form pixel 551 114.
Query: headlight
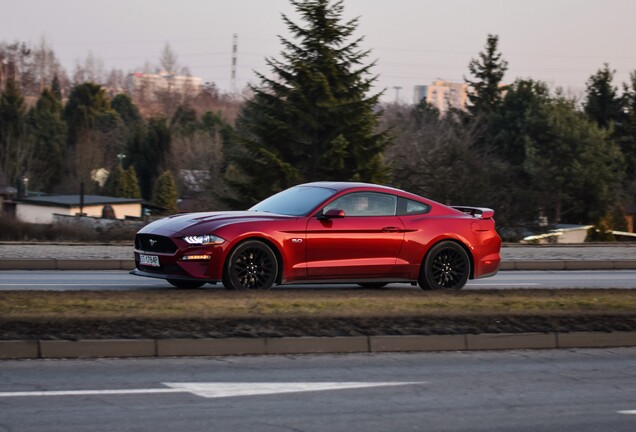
pixel 206 239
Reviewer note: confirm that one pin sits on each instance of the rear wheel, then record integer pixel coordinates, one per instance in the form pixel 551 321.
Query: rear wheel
pixel 181 284
pixel 446 267
pixel 252 265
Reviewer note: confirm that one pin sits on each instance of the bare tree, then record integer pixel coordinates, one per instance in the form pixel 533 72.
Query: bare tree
pixel 168 59
pixel 435 156
pixel 91 70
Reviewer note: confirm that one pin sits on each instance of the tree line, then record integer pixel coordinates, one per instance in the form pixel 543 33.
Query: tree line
pixel 530 152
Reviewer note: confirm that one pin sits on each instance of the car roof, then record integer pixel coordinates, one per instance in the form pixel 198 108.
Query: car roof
pixel 341 185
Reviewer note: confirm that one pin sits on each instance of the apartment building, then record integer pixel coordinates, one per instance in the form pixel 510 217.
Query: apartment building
pixel 443 95
pixel 149 84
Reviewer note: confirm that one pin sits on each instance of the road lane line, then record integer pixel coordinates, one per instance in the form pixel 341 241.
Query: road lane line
pixel 91 392
pixel 502 284
pixel 216 390
pixel 220 390
pixel 627 412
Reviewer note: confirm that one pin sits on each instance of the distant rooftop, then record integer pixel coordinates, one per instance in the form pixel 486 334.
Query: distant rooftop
pixel 74 200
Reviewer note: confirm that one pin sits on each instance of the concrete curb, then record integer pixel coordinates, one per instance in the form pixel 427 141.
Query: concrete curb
pixel 45 349
pixel 124 264
pixel 568 265
pixel 67 264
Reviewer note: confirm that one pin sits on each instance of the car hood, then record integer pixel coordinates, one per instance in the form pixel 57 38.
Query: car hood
pixel 196 223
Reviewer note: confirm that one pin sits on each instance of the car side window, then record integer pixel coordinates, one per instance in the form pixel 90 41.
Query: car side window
pixel 365 204
pixel 411 207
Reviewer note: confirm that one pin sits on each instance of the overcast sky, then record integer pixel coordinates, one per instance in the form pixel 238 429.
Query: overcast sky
pixel 562 42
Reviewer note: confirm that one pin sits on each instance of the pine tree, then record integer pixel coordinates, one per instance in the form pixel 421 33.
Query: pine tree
pixel 602 103
pixel 489 71
pixel 627 139
pixel 95 135
pixel 574 165
pixel 164 193
pixel 149 153
pixel 313 120
pixel 86 104
pixel 114 184
pixel 56 88
pixel 49 133
pixel 15 150
pixel 131 183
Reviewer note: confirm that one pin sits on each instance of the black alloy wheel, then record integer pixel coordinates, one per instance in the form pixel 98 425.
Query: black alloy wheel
pixel 252 265
pixel 182 284
pixel 446 267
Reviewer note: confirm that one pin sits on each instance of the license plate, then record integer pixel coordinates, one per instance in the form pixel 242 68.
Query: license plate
pixel 149 260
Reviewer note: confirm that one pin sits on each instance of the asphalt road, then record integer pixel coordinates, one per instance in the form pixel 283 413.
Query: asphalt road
pixel 120 280
pixel 556 390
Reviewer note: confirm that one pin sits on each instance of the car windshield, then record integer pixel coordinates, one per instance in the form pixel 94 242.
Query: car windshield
pixel 296 201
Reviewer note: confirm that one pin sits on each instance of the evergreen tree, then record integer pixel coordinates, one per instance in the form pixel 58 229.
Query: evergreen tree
pixel 114 184
pixel 627 139
pixel 128 112
pixel 95 135
pixel 86 104
pixel 488 71
pixel 15 149
pixel 131 184
pixel 164 193
pixel 602 103
pixel 149 153
pixel 56 88
pixel 313 120
pixel 520 116
pixel 48 129
pixel 574 165
pixel 184 120
pixel 123 183
pixel 134 129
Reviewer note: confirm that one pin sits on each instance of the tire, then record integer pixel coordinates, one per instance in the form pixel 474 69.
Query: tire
pixel 373 285
pixel 182 284
pixel 445 267
pixel 252 265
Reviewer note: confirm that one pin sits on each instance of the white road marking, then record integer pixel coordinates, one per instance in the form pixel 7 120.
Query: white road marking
pixel 217 390
pixel 502 284
pixel 75 284
pixel 91 392
pixel 627 412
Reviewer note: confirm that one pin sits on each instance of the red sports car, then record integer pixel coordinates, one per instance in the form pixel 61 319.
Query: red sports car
pixel 324 232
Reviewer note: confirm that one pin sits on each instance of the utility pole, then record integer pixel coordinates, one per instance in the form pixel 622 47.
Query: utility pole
pixel 234 54
pixel 397 93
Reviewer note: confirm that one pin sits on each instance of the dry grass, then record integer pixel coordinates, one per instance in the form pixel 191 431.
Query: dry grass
pixel 21 305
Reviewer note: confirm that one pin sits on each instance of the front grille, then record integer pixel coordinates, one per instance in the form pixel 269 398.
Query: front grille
pixel 154 243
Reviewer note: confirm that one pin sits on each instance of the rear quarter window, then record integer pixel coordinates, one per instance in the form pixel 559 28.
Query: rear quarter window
pixel 412 207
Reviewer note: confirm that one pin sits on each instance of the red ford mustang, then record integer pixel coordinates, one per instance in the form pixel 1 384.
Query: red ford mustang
pixel 324 232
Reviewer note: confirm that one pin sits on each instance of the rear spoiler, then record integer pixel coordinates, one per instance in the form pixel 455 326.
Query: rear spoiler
pixel 478 212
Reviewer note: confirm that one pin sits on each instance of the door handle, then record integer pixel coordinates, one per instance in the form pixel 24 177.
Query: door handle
pixel 391 229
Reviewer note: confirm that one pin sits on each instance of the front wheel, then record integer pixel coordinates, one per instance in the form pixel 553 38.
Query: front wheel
pixel 252 265
pixel 446 267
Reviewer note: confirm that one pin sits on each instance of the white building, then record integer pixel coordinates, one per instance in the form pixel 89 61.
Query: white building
pixel 40 210
pixel 148 84
pixel 443 95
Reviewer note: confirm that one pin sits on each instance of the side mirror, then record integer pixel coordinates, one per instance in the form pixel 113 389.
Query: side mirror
pixel 332 214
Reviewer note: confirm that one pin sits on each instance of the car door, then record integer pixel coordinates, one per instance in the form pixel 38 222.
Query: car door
pixel 361 237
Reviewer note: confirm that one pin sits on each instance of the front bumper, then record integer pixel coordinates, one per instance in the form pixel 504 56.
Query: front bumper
pixel 143 273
